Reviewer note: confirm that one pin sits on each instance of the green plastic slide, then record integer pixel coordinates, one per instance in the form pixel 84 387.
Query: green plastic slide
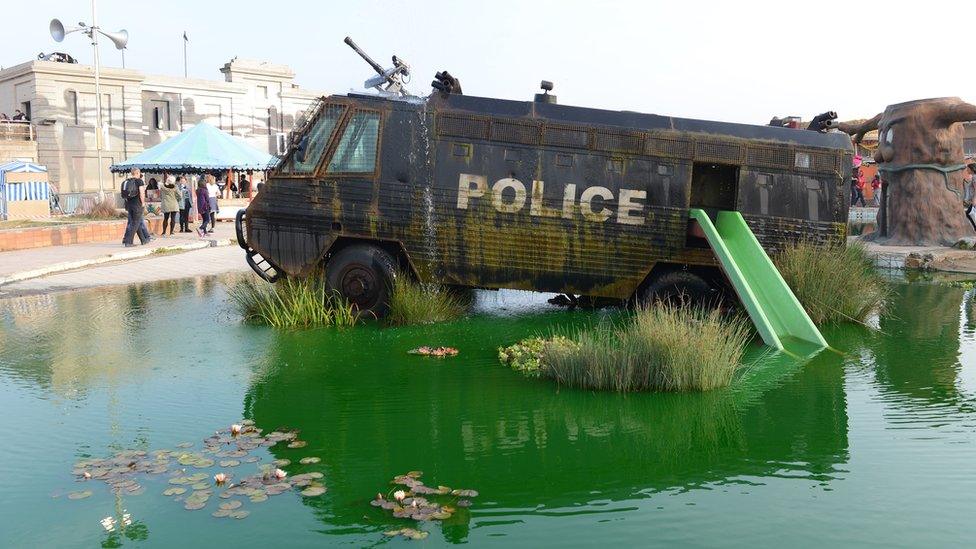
pixel 771 305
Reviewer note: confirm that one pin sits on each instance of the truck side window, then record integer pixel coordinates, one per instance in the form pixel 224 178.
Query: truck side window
pixel 316 141
pixel 356 152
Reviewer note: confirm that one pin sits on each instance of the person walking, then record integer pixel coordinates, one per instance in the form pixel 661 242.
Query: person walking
pixel 969 193
pixel 203 205
pixel 132 193
pixel 876 190
pixel 857 187
pixel 212 192
pixel 169 202
pixel 186 203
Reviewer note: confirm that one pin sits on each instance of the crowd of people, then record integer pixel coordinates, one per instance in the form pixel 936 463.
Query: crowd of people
pixel 180 198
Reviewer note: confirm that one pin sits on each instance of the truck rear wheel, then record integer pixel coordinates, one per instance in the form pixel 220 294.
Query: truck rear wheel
pixel 679 288
pixel 363 274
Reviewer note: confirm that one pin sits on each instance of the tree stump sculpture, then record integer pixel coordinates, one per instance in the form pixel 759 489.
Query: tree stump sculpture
pixel 921 159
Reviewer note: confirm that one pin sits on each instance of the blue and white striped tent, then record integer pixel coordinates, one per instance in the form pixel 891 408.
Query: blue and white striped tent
pixel 22 187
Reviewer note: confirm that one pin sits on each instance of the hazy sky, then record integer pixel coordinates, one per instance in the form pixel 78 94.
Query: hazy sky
pixel 738 61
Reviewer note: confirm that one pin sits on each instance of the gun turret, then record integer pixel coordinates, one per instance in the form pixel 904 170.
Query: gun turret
pixel 388 81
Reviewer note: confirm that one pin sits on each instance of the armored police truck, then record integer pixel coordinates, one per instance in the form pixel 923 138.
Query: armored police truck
pixel 489 193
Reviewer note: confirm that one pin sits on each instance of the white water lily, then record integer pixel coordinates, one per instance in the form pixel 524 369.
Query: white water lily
pixel 87 475
pixel 220 478
pixel 279 474
pixel 235 429
pixel 399 495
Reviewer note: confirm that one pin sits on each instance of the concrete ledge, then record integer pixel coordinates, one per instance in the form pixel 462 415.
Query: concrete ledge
pixel 68 233
pixel 928 258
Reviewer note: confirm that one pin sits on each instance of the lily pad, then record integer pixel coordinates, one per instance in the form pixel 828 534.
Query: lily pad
pixel 229 463
pixel 174 491
pixel 220 513
pixel 313 491
pixel 231 505
pixel 258 498
pixel 309 460
pixel 314 474
pixel 193 505
pixel 281 462
pixel 184 445
pixel 82 494
pixel 239 514
pixel 297 444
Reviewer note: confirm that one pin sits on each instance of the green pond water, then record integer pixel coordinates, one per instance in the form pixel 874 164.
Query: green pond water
pixel 871 445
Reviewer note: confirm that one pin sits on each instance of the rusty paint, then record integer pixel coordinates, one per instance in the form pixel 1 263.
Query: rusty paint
pixel 488 193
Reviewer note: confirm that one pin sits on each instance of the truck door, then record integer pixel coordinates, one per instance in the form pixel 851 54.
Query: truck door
pixel 353 170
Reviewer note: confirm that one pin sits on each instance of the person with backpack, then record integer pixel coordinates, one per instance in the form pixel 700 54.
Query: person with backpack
pixel 132 194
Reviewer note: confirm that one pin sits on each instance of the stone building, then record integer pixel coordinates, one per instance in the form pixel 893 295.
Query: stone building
pixel 256 101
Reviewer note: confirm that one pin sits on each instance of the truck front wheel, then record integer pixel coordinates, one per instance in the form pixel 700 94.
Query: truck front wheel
pixel 679 288
pixel 363 274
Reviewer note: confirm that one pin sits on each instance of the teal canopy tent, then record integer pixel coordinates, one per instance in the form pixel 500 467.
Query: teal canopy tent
pixel 199 149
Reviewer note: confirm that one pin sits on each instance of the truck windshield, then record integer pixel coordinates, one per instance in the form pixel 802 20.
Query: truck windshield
pixel 306 155
pixel 356 152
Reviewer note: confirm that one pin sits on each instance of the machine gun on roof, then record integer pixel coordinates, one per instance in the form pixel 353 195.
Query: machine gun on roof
pixel 387 81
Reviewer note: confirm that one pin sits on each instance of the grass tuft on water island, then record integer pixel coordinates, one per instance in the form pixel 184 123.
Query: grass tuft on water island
pixel 305 303
pixel 291 303
pixel 661 348
pixel 412 302
pixel 833 283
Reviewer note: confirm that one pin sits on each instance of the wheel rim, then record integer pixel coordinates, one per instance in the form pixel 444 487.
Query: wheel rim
pixel 360 286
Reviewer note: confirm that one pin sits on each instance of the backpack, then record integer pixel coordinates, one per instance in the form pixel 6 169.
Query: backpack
pixel 128 191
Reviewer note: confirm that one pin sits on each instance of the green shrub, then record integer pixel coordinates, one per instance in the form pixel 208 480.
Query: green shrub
pixel 662 348
pixel 412 302
pixel 526 356
pixel 833 283
pixel 291 302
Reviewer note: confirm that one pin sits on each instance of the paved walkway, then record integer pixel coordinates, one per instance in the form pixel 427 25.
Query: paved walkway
pixel 153 268
pixel 26 264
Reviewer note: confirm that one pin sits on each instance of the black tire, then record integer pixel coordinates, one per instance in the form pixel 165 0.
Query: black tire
pixel 679 288
pixel 364 275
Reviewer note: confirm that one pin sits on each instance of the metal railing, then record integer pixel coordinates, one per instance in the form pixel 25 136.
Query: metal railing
pixel 16 130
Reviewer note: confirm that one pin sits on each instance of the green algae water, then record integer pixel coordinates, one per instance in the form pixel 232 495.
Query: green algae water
pixel 874 444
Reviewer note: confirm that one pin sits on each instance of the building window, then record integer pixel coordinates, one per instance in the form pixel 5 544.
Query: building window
pixel 71 98
pixel 263 92
pixel 160 115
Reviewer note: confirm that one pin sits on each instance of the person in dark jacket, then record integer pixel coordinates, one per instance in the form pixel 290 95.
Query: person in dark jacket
pixel 132 193
pixel 203 204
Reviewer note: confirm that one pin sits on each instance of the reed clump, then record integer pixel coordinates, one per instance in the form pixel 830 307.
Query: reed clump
pixel 833 283
pixel 103 210
pixel 413 302
pixel 662 348
pixel 291 303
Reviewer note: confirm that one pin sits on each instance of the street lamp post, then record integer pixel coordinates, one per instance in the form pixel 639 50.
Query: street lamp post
pixel 120 38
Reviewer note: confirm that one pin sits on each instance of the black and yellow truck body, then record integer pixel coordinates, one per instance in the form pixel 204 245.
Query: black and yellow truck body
pixel 488 193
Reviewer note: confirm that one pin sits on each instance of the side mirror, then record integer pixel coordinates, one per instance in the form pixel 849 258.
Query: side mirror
pixel 300 149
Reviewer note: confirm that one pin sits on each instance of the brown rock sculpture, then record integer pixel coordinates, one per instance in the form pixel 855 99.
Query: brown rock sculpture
pixel 920 156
